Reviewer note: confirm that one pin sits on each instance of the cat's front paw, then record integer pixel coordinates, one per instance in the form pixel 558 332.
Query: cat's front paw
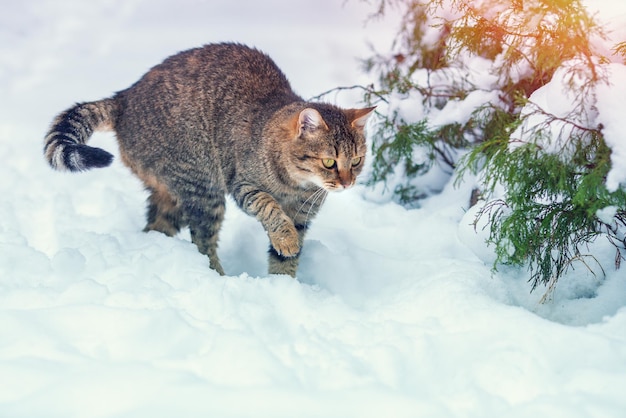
pixel 285 240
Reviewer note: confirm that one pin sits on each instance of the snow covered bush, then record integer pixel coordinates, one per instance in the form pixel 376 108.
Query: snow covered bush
pixel 517 93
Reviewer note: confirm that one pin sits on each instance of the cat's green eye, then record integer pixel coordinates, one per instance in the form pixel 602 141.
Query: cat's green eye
pixel 328 162
pixel 356 161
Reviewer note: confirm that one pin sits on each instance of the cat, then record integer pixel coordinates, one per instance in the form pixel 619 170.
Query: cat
pixel 216 120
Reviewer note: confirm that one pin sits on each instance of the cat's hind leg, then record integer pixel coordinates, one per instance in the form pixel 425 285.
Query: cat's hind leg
pixel 164 212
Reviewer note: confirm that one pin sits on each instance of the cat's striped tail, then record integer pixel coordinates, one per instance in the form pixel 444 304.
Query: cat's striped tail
pixel 65 147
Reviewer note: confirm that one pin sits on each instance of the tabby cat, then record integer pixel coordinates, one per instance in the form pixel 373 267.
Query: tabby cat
pixel 216 120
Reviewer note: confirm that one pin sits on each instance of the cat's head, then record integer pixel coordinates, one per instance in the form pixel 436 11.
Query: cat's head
pixel 327 146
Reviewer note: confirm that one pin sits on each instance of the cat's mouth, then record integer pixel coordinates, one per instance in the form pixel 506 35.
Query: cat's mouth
pixel 334 185
pixel 337 187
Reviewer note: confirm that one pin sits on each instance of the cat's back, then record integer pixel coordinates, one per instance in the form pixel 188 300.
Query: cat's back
pixel 220 73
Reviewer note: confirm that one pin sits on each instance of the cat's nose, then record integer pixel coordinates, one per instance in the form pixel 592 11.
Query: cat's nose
pixel 346 183
pixel 345 179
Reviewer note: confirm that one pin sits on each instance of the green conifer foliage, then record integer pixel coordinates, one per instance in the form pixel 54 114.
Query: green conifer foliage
pixel 545 187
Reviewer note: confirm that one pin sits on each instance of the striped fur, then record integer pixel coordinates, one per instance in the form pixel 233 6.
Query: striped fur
pixel 64 145
pixel 218 120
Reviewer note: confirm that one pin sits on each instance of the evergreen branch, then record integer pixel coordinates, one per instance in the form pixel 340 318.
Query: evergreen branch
pixel 549 210
pixel 368 89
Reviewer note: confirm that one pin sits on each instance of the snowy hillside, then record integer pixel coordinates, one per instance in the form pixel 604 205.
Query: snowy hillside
pixel 395 312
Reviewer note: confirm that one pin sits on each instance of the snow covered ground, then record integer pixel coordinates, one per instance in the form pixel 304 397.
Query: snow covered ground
pixel 394 314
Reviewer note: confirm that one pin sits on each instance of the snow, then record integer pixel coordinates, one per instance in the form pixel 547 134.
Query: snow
pixel 395 312
pixel 460 111
pixel 550 110
pixel 610 113
pixel 604 108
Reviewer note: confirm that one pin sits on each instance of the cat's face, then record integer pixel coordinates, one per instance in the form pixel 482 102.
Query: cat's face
pixel 329 147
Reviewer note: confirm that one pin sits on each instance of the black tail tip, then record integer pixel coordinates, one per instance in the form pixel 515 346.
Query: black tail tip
pixel 82 157
pixel 96 157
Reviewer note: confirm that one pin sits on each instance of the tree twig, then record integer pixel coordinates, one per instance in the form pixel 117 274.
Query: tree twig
pixel 367 89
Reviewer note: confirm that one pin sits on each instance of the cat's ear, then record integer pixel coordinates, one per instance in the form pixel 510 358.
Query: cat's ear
pixel 310 120
pixel 358 117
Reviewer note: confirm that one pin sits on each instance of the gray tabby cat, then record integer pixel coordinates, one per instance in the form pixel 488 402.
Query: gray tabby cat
pixel 216 120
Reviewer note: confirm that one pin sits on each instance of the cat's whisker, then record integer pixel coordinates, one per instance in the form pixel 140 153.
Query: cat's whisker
pixel 320 194
pixel 312 200
pixel 307 200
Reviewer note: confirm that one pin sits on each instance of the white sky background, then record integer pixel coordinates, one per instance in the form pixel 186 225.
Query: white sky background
pixel 111 43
